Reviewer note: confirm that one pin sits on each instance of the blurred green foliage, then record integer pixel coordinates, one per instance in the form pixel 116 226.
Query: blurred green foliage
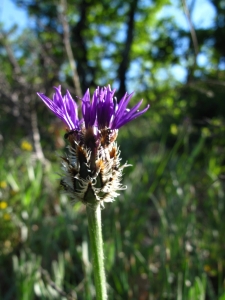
pixel 164 236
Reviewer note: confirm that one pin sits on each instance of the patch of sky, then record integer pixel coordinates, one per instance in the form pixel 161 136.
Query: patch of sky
pixel 202 60
pixel 111 48
pixel 138 16
pixel 176 13
pixel 116 84
pixel 148 65
pixel 143 4
pixel 162 75
pixel 221 65
pixel 110 80
pixel 154 34
pixel 174 34
pixel 3 51
pixel 154 50
pixel 182 46
pixel 179 73
pixel 163 31
pixel 121 34
pixel 132 74
pixel 106 63
pixel 202 16
pixel 11 14
pixel 134 68
pixel 132 85
pixel 122 10
pixel 97 40
pixel 104 30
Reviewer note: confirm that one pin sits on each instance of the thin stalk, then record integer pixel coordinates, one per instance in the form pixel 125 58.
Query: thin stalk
pixel 95 232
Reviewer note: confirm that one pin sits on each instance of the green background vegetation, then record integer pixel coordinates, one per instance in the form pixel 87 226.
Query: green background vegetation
pixel 164 237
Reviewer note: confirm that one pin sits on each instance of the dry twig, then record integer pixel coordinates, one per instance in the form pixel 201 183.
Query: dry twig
pixel 66 40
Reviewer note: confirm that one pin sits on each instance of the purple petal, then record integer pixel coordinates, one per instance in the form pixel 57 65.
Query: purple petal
pixel 63 107
pixel 89 109
pixel 122 107
pixel 129 117
pixel 105 109
pixel 86 108
pixel 122 116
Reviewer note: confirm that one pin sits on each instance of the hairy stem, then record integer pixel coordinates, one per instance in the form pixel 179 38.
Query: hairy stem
pixel 95 232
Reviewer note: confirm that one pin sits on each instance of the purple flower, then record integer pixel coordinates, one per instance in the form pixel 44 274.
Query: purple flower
pixel 102 112
pixel 91 169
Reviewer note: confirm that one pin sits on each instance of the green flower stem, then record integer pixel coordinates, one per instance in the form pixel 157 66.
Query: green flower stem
pixel 95 232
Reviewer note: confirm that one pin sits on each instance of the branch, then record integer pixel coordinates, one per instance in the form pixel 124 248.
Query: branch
pixel 66 40
pixel 122 70
pixel 12 59
pixel 192 30
pixel 36 137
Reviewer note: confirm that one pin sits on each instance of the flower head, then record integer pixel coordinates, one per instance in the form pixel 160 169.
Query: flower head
pixel 92 170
